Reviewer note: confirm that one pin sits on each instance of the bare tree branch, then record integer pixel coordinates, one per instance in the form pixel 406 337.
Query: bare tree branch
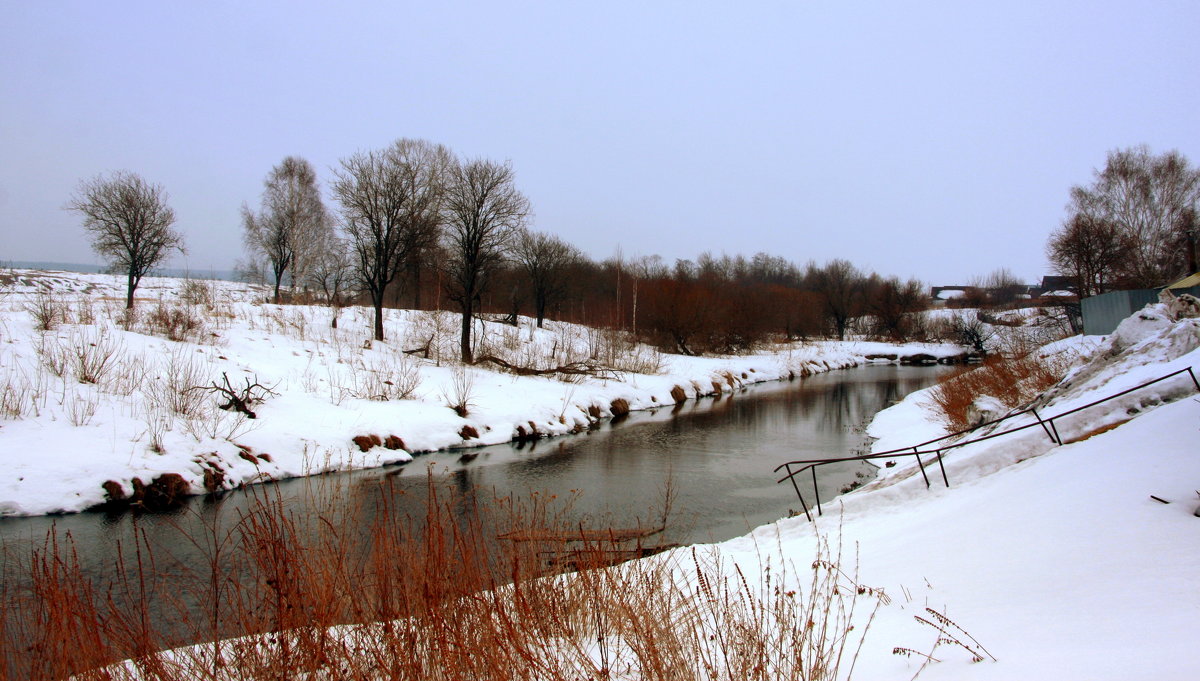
pixel 129 222
pixel 483 211
pixel 292 223
pixel 390 206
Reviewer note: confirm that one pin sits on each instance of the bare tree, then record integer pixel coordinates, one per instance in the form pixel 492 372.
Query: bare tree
pixel 1000 286
pixel 1149 201
pixel 483 212
pixel 292 219
pixel 129 222
pixel 895 306
pixel 332 273
pixel 1089 250
pixel 390 207
pixel 546 260
pixel 840 286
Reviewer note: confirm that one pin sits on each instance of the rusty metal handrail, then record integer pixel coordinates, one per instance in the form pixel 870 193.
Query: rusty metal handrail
pixel 1046 423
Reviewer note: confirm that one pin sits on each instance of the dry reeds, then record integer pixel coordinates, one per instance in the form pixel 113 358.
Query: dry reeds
pixel 1012 380
pixel 358 592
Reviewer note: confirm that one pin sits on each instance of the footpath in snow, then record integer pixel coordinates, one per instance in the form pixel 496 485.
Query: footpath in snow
pixel 96 407
pixel 1055 558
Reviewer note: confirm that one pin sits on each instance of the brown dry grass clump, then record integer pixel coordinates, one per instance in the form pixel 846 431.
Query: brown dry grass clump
pixel 1012 380
pixel 373 593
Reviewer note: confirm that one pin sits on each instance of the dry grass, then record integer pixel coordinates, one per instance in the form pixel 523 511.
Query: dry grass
pixel 1012 380
pixel 373 593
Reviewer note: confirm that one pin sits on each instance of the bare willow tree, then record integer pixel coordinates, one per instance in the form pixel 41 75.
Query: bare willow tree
pixel 482 212
pixel 1149 201
pixel 840 285
pixel 291 222
pixel 129 223
pixel 547 261
pixel 390 208
pixel 332 273
pixel 1090 251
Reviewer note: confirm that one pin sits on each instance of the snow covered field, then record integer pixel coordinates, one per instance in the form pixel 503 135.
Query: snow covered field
pixel 1055 558
pixel 1052 561
pixel 97 399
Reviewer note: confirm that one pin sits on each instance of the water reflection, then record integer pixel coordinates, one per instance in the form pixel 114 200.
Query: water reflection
pixel 718 454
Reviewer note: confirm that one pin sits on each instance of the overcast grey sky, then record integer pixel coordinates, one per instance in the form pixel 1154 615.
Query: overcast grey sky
pixel 929 139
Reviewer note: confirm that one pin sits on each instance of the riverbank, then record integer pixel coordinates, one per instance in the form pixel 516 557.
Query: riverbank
pixel 1058 560
pixel 104 409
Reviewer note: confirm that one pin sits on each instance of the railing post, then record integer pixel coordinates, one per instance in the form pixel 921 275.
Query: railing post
pixel 1193 375
pixel 1043 424
pixel 943 467
pixel 799 496
pixel 922 465
pixel 1053 427
pixel 816 491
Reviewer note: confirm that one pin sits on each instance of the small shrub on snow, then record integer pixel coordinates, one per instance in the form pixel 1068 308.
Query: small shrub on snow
pixel 1011 380
pixel 80 406
pixel 47 310
pixel 94 354
pixel 181 371
pixel 393 376
pixel 198 292
pixel 461 391
pixel 177 322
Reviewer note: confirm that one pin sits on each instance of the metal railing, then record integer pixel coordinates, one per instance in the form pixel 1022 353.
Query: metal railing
pixel 1047 424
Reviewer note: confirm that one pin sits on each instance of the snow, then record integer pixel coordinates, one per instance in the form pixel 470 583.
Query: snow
pixel 1054 557
pixel 62 437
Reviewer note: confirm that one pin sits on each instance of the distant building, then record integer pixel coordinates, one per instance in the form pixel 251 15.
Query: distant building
pixel 1054 286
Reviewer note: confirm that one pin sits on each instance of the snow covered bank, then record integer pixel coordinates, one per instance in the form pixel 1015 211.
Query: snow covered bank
pixel 1055 558
pixel 98 406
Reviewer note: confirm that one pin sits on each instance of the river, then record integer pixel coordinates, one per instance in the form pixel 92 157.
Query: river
pixel 715 454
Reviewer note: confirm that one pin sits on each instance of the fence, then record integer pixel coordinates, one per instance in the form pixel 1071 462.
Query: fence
pixel 1047 424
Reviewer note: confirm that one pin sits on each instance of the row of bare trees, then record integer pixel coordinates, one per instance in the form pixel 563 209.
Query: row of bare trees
pixel 413 210
pixel 398 206
pixel 1134 226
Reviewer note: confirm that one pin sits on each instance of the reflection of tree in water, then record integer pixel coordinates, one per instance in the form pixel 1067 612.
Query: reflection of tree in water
pixel 620 470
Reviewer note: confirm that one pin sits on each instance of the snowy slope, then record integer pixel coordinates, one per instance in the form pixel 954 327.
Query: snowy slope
pixel 63 434
pixel 1054 557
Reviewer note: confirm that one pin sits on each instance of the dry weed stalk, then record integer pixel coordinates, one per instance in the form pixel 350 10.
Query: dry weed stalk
pixel 1012 380
pixel 369 590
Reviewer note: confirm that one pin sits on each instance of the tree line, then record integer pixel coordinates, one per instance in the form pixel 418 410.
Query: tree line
pixel 414 214
pixel 417 226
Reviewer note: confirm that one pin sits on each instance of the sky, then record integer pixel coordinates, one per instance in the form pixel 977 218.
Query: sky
pixel 935 140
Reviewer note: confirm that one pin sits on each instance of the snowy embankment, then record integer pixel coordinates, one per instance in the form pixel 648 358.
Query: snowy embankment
pixel 1055 558
pixel 99 406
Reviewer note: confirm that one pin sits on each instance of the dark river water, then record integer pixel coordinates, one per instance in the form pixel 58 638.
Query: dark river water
pixel 716 454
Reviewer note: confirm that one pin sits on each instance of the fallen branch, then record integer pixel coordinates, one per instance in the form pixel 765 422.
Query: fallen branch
pixel 239 401
pixel 423 350
pixel 572 369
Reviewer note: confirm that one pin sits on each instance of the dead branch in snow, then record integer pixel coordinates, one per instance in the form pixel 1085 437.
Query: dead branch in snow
pixel 239 400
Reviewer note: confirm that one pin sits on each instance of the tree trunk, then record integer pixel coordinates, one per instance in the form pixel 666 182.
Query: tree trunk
pixel 377 301
pixel 129 289
pixel 465 342
pixel 415 271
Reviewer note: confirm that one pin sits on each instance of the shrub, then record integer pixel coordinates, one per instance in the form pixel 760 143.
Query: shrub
pixel 1012 380
pixel 313 591
pixel 47 310
pixel 177 322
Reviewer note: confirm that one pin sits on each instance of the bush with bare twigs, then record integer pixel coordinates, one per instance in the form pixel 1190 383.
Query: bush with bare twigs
pixel 47 309
pixel 1011 380
pixel 177 322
